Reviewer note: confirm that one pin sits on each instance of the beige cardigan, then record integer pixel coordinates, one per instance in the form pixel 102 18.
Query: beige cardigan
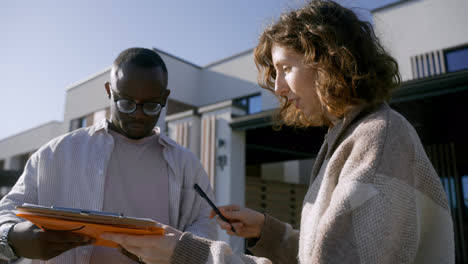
pixel 374 198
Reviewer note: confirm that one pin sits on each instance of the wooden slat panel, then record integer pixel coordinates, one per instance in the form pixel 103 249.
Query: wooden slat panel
pixel 443 159
pixel 281 200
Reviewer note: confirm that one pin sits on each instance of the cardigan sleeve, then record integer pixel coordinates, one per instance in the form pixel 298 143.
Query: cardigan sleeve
pixel 197 250
pixel 278 242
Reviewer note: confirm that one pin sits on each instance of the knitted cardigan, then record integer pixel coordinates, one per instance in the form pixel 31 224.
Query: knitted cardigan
pixel 374 197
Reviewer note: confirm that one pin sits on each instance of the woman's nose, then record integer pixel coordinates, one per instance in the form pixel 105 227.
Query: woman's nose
pixel 281 87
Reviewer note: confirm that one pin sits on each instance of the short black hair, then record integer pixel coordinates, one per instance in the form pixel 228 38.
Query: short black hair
pixel 142 57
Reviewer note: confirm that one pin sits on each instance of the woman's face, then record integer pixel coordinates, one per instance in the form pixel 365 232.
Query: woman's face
pixel 297 82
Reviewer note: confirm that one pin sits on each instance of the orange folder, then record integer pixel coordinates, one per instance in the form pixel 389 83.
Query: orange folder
pixel 90 223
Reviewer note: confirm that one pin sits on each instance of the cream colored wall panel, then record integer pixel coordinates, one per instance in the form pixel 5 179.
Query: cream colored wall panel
pixel 416 27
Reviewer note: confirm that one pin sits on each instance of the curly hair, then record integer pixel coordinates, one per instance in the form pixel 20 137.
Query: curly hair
pixel 353 67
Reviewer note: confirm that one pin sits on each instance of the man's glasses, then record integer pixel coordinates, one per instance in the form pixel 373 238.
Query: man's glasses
pixel 127 106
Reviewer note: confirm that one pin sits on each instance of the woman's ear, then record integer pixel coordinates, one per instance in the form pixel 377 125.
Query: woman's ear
pixel 107 85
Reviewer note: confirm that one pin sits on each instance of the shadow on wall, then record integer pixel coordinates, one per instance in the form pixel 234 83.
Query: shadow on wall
pixel 216 87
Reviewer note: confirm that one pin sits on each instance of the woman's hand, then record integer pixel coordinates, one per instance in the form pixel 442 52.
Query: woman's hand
pixel 148 248
pixel 247 222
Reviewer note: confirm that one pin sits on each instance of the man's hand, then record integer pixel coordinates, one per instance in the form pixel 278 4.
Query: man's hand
pixel 247 222
pixel 149 249
pixel 29 241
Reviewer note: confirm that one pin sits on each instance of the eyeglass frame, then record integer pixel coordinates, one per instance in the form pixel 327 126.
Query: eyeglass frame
pixel 135 103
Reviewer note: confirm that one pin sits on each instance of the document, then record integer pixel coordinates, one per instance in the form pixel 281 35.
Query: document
pixel 87 222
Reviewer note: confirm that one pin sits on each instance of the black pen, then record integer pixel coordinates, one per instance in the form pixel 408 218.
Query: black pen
pixel 203 194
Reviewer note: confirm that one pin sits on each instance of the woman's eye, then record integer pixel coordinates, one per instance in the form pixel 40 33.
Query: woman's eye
pixel 286 69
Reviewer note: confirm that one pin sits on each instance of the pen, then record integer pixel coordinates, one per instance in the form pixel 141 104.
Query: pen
pixel 203 194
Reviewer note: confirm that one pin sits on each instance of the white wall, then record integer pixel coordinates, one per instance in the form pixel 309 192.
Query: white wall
pixel 240 66
pixel 184 80
pixel 233 78
pixel 30 140
pixel 86 97
pixel 419 26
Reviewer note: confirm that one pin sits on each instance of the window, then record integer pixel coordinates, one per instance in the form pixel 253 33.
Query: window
pixel 255 104
pixel 251 104
pixel 2 164
pixel 77 123
pixel 23 159
pixel 456 59
pixel 80 122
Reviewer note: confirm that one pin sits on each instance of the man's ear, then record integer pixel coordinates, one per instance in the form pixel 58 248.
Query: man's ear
pixel 166 94
pixel 107 85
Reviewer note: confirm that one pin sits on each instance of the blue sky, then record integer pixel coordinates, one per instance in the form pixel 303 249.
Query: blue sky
pixel 48 45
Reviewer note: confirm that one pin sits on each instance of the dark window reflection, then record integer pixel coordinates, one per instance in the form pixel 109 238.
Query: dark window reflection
pixel 465 190
pixel 457 59
pixel 252 103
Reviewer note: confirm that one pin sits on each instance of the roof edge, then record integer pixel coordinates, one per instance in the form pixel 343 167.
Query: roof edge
pixel 378 9
pixel 95 75
pixel 242 53
pixel 431 86
pixel 257 120
pixel 177 58
pixel 87 79
pixel 33 128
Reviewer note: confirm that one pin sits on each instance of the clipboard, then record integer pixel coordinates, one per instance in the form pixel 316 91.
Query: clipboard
pixel 87 222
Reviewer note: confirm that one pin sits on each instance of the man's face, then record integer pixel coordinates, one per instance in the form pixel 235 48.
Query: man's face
pixel 140 85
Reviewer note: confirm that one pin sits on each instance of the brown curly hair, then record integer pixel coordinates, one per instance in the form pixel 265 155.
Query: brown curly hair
pixel 353 67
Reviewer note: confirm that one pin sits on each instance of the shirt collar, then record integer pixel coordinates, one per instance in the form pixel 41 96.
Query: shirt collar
pixel 103 126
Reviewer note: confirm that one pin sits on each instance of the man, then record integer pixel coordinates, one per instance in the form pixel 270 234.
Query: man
pixel 123 165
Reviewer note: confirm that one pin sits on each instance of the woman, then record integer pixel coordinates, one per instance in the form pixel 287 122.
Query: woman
pixel 374 195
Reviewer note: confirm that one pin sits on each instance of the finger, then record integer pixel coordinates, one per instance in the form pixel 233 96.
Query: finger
pixel 55 250
pixel 66 246
pixel 225 208
pixel 229 208
pixel 223 224
pixel 138 252
pixel 65 237
pixel 131 240
pixel 212 214
pixel 128 254
pixel 234 215
pixel 238 226
pixel 160 225
pixel 169 230
pixel 239 230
